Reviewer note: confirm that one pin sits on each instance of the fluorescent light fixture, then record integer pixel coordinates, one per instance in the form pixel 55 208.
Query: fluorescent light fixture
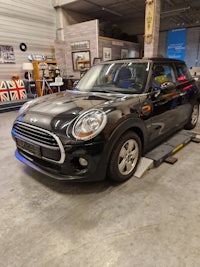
pixel 174 11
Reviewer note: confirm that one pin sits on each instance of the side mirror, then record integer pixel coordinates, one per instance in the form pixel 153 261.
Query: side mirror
pixel 168 86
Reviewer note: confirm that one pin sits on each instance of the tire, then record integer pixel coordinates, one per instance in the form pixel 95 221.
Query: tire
pixel 193 117
pixel 125 157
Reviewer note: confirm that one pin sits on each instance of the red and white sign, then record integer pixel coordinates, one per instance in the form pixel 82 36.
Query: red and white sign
pixel 16 89
pixel 4 94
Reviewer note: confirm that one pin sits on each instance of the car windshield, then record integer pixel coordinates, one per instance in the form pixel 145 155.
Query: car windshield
pixel 124 77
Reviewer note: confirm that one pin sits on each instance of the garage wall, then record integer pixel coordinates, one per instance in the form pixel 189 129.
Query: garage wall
pixel 31 22
pixel 85 31
pixel 192 49
pixel 117 47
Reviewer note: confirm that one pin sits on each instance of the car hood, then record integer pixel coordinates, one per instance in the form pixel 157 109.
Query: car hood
pixel 53 110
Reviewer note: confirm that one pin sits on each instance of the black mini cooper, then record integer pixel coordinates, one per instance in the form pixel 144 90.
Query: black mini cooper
pixel 118 111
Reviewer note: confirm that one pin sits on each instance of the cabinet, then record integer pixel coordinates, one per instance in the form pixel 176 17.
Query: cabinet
pixel 43 68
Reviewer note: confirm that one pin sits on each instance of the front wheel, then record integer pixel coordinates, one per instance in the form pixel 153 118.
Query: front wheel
pixel 193 117
pixel 125 157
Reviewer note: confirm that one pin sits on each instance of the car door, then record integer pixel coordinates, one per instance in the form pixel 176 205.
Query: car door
pixel 165 99
pixel 187 89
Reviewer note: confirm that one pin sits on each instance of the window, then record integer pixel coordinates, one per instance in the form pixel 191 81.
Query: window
pixel 183 74
pixel 121 77
pixel 162 73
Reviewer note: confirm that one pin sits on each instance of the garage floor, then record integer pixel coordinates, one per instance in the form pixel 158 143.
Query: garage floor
pixel 153 221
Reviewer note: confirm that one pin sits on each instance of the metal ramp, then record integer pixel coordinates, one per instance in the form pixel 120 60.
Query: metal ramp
pixel 165 151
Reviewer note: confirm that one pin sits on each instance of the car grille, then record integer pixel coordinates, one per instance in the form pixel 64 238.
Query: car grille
pixel 35 134
pixel 51 148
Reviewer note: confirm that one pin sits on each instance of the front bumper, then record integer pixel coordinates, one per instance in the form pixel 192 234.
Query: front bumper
pixel 70 169
pixel 54 156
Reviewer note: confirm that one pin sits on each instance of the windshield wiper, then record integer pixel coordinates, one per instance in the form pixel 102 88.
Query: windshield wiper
pixel 102 90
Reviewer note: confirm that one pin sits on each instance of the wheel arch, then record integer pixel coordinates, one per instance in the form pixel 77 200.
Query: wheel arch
pixel 130 124
pixel 135 125
pixel 125 157
pixel 139 132
pixel 190 124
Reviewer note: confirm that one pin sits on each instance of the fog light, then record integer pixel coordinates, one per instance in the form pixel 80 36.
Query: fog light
pixel 83 162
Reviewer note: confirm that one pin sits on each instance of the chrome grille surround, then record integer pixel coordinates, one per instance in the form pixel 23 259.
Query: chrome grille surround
pixel 39 136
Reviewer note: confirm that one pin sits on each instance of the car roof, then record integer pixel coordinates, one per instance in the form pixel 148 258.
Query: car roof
pixel 162 59
pixel 152 59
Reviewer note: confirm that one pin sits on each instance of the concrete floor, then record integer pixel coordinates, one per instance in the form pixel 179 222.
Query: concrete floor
pixel 153 221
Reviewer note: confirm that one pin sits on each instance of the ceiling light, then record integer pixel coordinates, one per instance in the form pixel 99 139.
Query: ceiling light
pixel 174 11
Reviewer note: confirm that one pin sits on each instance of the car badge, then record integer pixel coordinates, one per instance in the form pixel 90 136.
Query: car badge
pixel 32 120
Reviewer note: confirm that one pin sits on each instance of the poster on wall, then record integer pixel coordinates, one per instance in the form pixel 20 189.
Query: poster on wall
pixel 7 54
pixel 107 53
pixel 176 43
pixel 124 53
pixel 80 45
pixel 149 18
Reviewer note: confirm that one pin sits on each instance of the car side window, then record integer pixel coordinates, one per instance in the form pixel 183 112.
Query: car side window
pixel 162 73
pixel 183 73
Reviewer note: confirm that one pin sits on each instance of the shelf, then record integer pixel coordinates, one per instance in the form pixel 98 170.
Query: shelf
pixel 38 73
pixel 82 64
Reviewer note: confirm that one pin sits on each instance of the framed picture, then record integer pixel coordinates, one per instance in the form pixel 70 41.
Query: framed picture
pixel 124 53
pixel 81 60
pixel 80 45
pixel 107 53
pixel 7 54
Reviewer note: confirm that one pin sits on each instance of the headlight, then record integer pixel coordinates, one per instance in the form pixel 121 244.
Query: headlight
pixel 24 107
pixel 89 124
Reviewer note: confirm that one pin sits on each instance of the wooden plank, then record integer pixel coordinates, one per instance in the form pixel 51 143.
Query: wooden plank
pixel 31 22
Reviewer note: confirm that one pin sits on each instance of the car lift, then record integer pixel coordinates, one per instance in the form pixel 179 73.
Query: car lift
pixel 165 151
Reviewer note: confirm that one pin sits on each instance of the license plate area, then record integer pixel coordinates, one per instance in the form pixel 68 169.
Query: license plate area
pixel 28 147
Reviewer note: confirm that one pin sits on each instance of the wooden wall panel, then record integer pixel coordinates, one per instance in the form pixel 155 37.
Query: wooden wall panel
pixel 31 22
pixel 85 31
